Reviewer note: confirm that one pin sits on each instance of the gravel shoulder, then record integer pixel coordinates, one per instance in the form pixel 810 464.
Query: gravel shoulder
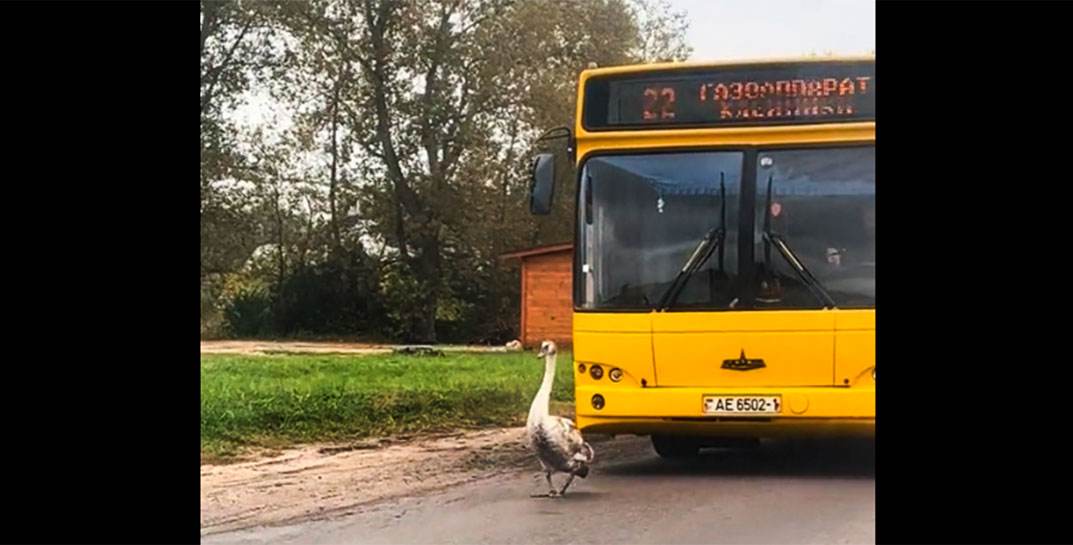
pixel 319 481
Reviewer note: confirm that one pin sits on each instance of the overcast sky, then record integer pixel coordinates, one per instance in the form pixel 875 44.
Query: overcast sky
pixel 734 29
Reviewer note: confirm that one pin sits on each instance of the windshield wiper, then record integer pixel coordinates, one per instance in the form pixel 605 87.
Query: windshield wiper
pixel 777 240
pixel 712 239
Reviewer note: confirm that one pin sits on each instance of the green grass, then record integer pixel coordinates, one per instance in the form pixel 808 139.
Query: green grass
pixel 278 400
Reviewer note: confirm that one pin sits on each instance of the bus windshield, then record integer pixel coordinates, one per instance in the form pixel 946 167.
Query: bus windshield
pixel 641 217
pixel 647 214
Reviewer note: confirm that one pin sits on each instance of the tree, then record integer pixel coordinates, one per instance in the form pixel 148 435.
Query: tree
pixel 464 81
pixel 239 45
pixel 413 126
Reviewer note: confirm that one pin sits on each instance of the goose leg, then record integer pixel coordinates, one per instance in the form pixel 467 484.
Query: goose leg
pixel 551 487
pixel 568 481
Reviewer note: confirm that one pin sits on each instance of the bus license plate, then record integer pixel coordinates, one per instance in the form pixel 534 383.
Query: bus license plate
pixel 730 405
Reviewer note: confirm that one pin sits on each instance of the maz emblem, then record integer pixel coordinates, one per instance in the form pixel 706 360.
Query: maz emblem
pixel 743 363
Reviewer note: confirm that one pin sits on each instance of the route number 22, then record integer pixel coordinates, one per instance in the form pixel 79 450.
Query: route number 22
pixel 658 103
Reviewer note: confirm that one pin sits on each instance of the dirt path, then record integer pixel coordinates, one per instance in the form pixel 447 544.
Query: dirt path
pixel 267 347
pixel 822 492
pixel 330 480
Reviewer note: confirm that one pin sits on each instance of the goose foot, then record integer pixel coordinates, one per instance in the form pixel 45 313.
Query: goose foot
pixel 567 485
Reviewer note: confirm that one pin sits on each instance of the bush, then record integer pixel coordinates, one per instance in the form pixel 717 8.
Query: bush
pixel 212 318
pixel 247 309
pixel 335 297
pixel 403 298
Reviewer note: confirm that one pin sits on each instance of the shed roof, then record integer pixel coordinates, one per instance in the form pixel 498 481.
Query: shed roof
pixel 539 250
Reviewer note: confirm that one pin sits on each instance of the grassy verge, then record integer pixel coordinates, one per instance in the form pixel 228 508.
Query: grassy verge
pixel 277 400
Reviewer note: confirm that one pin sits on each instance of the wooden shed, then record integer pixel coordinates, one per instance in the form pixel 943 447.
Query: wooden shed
pixel 547 287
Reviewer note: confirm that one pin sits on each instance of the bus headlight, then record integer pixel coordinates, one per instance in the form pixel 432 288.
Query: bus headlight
pixel 615 374
pixel 595 371
pixel 597 402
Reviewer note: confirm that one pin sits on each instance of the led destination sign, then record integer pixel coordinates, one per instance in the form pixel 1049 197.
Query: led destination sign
pixel 732 96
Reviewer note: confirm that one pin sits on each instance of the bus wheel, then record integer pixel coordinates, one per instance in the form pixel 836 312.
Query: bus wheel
pixel 668 446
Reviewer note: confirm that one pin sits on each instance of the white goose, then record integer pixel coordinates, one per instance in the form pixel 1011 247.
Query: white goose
pixel 558 444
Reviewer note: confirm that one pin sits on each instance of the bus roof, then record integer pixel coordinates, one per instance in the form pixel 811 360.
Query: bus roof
pixel 651 67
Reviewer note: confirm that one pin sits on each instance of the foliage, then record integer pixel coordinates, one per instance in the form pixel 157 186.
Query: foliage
pixel 386 167
pixel 247 307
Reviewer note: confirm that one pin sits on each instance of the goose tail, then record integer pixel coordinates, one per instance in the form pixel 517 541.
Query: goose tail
pixel 585 457
pixel 589 453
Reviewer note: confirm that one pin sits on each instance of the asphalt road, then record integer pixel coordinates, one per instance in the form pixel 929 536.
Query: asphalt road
pixel 783 492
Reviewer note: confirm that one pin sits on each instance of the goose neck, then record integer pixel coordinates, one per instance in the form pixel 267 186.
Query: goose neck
pixel 540 404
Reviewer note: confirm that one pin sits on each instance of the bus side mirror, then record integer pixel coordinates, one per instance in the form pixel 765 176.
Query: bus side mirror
pixel 543 184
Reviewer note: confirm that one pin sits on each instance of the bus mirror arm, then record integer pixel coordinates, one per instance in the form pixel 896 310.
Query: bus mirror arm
pixel 561 132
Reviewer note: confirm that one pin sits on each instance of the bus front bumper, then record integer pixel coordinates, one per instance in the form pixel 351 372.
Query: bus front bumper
pixel 811 411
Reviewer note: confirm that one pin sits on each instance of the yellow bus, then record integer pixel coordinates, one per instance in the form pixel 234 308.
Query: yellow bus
pixel 724 263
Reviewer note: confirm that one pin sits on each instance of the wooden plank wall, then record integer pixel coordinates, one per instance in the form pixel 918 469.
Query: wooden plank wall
pixel 547 302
